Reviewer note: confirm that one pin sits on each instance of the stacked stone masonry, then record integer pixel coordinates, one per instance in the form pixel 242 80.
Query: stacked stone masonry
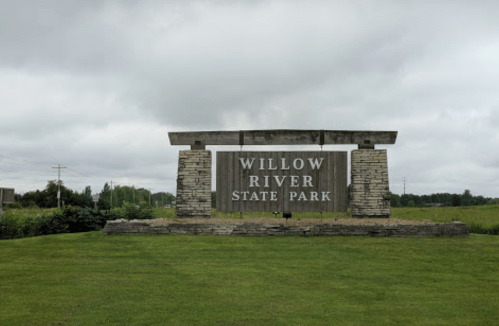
pixel 453 229
pixel 194 184
pixel 369 193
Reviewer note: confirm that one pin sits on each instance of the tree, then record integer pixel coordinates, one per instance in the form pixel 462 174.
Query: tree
pixel 410 203
pixel 456 200
pixel 404 199
pixel 104 197
pixel 88 191
pixel 394 200
pixel 466 198
pixel 493 201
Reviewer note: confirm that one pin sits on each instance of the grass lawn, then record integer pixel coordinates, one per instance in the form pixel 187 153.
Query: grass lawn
pixel 93 279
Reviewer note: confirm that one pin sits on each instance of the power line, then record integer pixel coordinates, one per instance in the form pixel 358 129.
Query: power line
pixel 25 161
pixel 59 167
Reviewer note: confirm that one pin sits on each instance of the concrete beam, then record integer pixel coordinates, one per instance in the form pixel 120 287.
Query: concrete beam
pixel 283 137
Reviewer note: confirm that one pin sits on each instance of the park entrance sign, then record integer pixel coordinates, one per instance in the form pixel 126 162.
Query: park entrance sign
pixel 284 181
pixel 281 181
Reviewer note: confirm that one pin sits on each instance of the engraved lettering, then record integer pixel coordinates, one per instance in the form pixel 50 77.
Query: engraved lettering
pixel 300 161
pixel 279 182
pixel 254 181
pixel 246 164
pixel 316 164
pixel 307 181
pixel 283 164
pixel 270 165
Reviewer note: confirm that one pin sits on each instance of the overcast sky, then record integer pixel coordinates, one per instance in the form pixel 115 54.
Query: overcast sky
pixel 97 85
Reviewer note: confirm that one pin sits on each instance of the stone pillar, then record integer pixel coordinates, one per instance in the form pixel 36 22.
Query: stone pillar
pixel 369 192
pixel 194 184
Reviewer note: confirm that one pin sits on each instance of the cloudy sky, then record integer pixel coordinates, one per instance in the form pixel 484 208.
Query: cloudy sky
pixel 97 85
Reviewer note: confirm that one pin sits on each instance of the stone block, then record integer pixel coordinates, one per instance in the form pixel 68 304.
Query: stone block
pixel 369 189
pixel 194 184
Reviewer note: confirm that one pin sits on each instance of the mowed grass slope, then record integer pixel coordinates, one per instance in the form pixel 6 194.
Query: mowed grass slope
pixel 93 279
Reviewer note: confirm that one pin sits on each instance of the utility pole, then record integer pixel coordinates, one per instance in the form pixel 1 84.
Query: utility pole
pixel 58 167
pixel 404 183
pixel 149 196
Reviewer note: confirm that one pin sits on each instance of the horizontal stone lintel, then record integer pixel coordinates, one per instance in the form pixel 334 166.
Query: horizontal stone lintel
pixel 283 137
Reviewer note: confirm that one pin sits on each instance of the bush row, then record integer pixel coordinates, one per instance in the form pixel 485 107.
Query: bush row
pixel 480 229
pixel 67 220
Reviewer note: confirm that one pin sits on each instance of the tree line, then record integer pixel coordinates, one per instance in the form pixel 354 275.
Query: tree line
pixel 47 198
pixel 441 199
pixel 122 194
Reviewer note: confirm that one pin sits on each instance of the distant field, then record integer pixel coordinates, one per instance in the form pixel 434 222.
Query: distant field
pixel 93 279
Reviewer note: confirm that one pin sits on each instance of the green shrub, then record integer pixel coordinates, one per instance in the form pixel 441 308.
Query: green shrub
pixel 13 226
pixel 75 219
pixel 137 212
pixel 17 223
pixel 480 229
pixel 410 203
pixel 15 205
pixel 69 219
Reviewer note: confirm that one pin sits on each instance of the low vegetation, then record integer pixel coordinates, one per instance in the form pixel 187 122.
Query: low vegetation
pixel 480 219
pixel 20 223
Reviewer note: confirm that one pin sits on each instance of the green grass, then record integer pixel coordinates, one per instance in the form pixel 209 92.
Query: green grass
pixel 93 279
pixel 480 219
pixel 488 215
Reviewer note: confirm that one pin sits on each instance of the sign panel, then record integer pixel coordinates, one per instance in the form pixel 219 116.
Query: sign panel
pixel 282 181
pixel 6 196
